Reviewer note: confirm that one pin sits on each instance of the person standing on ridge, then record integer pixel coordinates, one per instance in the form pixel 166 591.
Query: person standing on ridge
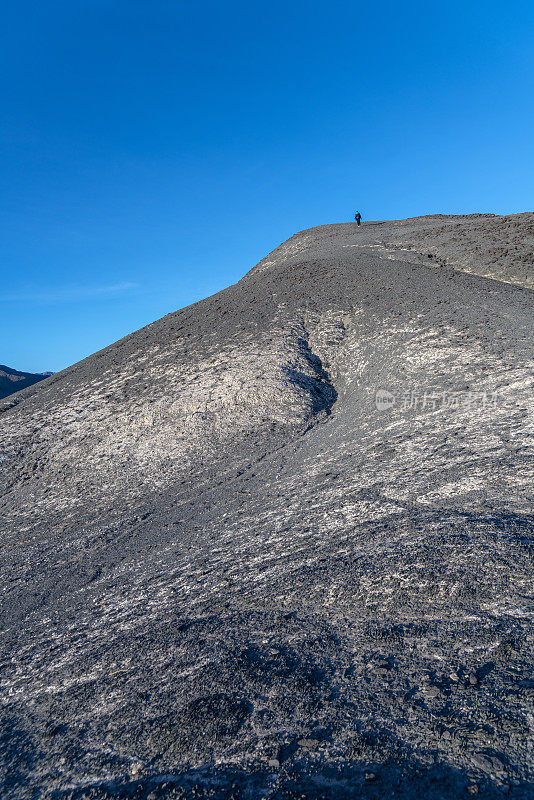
pixel 358 217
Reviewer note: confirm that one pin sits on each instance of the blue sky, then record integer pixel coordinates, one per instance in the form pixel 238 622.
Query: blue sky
pixel 152 152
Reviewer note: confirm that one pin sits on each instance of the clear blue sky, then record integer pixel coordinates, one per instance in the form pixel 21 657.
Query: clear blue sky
pixel 151 152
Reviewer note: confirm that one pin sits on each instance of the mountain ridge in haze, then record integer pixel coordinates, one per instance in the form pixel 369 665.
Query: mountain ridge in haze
pixel 12 380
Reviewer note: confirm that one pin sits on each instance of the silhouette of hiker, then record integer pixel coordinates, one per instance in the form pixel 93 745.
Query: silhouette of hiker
pixel 358 217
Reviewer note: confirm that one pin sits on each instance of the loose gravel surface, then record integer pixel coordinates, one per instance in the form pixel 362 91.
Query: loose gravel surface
pixel 278 544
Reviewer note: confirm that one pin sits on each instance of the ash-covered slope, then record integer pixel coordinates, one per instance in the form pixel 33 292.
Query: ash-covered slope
pixel 232 569
pixel 483 244
pixel 11 380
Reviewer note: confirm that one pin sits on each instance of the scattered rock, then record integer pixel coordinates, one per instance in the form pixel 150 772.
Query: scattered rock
pixel 490 764
pixel 309 744
pixel 430 692
pixel 381 667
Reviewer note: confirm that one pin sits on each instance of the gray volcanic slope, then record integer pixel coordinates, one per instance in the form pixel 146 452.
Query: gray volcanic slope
pixel 229 572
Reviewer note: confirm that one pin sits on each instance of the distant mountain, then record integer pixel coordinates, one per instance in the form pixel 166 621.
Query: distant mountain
pixel 11 380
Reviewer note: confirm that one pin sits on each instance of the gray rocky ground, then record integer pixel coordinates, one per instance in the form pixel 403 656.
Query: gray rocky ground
pixel 278 544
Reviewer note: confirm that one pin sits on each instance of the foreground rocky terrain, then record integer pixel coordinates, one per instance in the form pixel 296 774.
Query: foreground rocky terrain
pixel 278 544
